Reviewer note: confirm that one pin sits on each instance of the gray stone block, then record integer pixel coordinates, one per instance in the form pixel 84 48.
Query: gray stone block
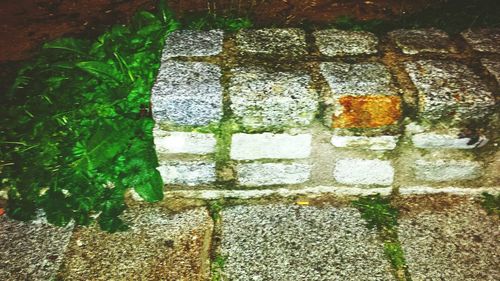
pixel 187 93
pixel 266 99
pixel 189 173
pixel 447 170
pixel 414 41
pixel 446 141
pixel 372 143
pixel 272 41
pixel 271 146
pixel 262 174
pixel 449 90
pixel 183 142
pixel 483 40
pixel 285 243
pixel 363 172
pixel 334 42
pixel 193 43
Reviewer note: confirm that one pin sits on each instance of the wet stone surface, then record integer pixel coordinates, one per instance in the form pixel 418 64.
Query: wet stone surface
pixel 282 243
pixel 493 67
pixel 187 93
pixel 31 250
pixel 158 246
pixel 334 42
pixel 483 40
pixel 459 242
pixel 193 43
pixel 266 99
pixel 414 41
pixel 449 90
pixel 272 41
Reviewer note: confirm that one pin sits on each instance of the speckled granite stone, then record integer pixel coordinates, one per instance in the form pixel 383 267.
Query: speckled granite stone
pixel 483 40
pixel 457 241
pixel 449 90
pixel 284 242
pixel 414 41
pixel 158 246
pixel 187 93
pixel 189 173
pixel 272 41
pixel 31 250
pixel 493 67
pixel 334 42
pixel 266 99
pixel 193 43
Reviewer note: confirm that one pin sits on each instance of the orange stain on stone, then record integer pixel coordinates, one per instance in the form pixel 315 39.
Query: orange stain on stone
pixel 368 111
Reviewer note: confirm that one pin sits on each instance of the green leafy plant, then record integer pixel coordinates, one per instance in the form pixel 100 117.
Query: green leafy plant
pixel 76 130
pixel 212 21
pixel 218 268
pixel 491 203
pixel 377 211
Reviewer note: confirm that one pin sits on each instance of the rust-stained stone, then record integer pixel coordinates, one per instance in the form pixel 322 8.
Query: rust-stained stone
pixel 158 246
pixel 31 250
pixel 483 40
pixel 367 111
pixel 414 41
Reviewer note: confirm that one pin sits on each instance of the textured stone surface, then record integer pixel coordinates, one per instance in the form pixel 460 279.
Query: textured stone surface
pixel 283 243
pixel 368 78
pixel 457 243
pixel 364 112
pixel 372 143
pixel 334 42
pixel 483 40
pixel 272 41
pixel 267 145
pixel 266 99
pixel 158 246
pixel 187 172
pixel 31 250
pixel 449 90
pixel 446 141
pixel 187 93
pixel 193 43
pixel 183 142
pixel 493 67
pixel 363 172
pixel 447 170
pixel 261 174
pixel 414 41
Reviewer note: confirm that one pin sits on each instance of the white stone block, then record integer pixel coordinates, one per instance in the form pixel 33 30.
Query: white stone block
pixel 363 172
pixel 261 174
pixel 372 143
pixel 272 146
pixel 447 141
pixel 447 170
pixel 183 142
pixel 187 173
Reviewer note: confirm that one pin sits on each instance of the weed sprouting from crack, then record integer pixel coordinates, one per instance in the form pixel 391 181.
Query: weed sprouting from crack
pixel 491 203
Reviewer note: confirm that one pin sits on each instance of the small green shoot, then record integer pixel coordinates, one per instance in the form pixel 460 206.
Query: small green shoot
pixel 214 208
pixel 491 203
pixel 218 268
pixel 377 211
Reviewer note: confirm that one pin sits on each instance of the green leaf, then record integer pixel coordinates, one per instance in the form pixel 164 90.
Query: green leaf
pixel 151 188
pixel 71 45
pixel 101 70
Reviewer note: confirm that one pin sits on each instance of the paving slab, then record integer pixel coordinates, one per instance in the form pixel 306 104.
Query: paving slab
pixel 272 41
pixel 445 238
pixel 187 93
pixel 286 242
pixel 483 40
pixel 414 41
pixel 188 173
pixel 493 67
pixel 334 42
pixel 262 98
pixel 449 90
pixel 193 43
pixel 158 246
pixel 31 250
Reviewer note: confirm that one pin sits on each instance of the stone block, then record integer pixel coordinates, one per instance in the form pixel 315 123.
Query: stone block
pixel 262 174
pixel 159 245
pixel 189 173
pixel 193 43
pixel 187 93
pixel 334 42
pixel 362 95
pixel 483 40
pixel 263 99
pixel 447 141
pixel 183 142
pixel 272 41
pixel 429 40
pixel 372 143
pixel 493 67
pixel 447 170
pixel 272 146
pixel 286 242
pixel 363 172
pixel 449 90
